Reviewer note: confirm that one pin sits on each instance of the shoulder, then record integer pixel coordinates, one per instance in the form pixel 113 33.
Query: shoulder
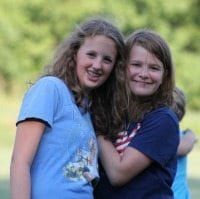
pixel 161 113
pixel 52 83
pixel 49 87
pixel 162 126
pixel 162 118
pixel 50 80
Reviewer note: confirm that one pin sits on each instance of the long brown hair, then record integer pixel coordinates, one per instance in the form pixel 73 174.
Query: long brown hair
pixel 106 99
pixel 156 45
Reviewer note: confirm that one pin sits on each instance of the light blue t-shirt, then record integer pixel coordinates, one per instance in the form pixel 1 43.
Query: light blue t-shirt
pixel 180 185
pixel 67 146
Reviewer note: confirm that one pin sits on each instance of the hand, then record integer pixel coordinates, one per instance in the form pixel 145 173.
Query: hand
pixel 93 180
pixel 190 135
pixel 187 142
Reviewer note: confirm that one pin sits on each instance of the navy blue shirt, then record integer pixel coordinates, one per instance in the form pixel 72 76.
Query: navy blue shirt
pixel 158 138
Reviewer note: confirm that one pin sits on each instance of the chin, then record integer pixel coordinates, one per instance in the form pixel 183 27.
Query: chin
pixel 138 92
pixel 91 87
pixel 141 94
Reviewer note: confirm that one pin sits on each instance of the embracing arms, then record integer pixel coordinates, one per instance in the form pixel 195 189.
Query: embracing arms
pixel 121 169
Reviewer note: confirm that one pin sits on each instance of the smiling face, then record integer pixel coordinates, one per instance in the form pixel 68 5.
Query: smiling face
pixel 95 61
pixel 144 71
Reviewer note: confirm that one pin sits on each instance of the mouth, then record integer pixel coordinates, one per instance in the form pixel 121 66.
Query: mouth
pixel 141 82
pixel 93 75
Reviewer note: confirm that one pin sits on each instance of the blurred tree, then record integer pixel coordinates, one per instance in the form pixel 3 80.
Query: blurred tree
pixel 30 30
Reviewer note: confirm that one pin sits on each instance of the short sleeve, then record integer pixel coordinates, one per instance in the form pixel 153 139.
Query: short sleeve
pixel 158 137
pixel 40 102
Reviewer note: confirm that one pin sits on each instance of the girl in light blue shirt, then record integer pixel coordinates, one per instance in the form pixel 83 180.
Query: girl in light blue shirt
pixel 55 151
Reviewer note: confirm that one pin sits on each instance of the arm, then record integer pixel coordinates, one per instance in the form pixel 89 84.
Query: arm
pixel 121 169
pixel 27 139
pixel 187 142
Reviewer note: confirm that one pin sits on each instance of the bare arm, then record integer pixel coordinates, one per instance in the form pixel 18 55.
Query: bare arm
pixel 121 169
pixel 187 142
pixel 26 142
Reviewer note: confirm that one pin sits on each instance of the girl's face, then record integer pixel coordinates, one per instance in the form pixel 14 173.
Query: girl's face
pixel 144 71
pixel 95 61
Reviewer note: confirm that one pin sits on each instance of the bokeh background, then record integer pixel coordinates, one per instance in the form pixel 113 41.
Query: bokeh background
pixel 30 31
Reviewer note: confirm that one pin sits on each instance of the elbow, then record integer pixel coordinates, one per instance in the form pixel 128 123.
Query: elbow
pixel 116 183
pixel 17 164
pixel 116 180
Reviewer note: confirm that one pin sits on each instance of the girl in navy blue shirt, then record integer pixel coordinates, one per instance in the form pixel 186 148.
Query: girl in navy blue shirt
pixel 141 161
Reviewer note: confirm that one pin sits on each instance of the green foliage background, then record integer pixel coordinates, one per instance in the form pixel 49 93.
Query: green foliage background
pixel 30 30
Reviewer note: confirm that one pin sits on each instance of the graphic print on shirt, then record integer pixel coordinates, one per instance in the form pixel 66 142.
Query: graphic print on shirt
pixel 123 139
pixel 84 160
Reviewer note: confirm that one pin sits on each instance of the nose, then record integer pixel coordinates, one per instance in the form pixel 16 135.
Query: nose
pixel 144 72
pixel 97 63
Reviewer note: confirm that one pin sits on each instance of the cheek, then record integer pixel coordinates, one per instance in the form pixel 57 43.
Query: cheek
pixel 109 70
pixel 128 72
pixel 161 79
pixel 159 76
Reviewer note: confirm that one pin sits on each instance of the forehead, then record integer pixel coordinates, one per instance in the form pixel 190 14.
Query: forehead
pixel 139 53
pixel 98 39
pixel 99 43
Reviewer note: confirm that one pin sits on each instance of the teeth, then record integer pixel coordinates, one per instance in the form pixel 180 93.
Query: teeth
pixel 93 73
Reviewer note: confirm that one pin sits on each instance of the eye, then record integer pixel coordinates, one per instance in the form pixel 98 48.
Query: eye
pixel 135 64
pixel 108 59
pixel 155 67
pixel 91 54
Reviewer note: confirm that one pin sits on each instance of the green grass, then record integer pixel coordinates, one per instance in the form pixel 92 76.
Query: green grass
pixel 8 114
pixel 194 172
pixel 4 188
pixel 4 172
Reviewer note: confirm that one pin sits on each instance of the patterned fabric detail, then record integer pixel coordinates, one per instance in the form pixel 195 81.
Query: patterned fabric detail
pixel 83 159
pixel 123 139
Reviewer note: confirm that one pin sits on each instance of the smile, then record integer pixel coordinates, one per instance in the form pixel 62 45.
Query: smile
pixel 93 73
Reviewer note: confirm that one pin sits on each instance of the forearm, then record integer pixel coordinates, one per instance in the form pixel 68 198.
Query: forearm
pixel 121 169
pixel 184 147
pixel 110 158
pixel 20 185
